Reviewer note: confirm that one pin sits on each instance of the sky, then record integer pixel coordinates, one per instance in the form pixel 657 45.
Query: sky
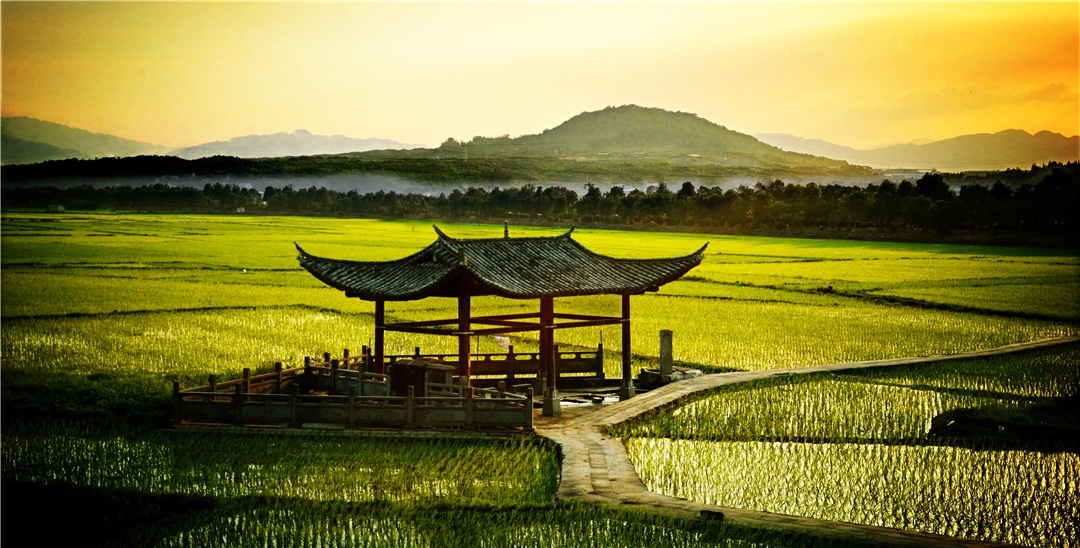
pixel 860 74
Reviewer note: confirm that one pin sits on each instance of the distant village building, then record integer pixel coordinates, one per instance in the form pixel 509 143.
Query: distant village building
pixel 239 210
pixel 56 208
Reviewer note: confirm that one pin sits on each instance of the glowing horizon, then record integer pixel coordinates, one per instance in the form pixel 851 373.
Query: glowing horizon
pixel 857 74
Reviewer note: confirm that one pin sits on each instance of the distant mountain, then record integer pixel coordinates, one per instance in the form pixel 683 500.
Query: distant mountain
pixel 628 144
pixel 1012 148
pixel 20 151
pixel 634 133
pixel 1006 149
pixel 297 143
pixel 33 140
pixel 817 147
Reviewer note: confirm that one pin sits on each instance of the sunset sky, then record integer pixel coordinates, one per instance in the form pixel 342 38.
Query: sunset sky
pixel 859 74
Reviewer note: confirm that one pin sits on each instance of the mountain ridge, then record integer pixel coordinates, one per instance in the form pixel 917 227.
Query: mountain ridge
pixel 296 143
pixel 1006 149
pixel 628 133
pixel 30 140
pixel 52 141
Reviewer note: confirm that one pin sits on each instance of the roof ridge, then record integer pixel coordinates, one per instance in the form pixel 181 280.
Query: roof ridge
pixel 698 254
pixel 444 236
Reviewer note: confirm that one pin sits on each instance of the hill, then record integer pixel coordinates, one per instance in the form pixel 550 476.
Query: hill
pixel 20 151
pixel 32 139
pixel 635 133
pixel 297 143
pixel 977 152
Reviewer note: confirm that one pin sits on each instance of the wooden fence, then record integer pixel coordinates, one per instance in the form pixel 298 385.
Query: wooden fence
pixel 574 368
pixel 335 392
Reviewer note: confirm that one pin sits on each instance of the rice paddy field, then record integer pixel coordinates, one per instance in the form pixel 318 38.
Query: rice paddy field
pixel 102 312
pixel 869 448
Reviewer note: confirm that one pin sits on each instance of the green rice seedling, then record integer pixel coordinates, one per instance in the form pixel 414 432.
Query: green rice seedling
pixel 1020 497
pixel 1043 374
pixel 855 447
pixel 319 468
pixel 1057 297
pixel 185 344
pixel 810 409
pixel 56 292
pixel 297 523
pixel 774 335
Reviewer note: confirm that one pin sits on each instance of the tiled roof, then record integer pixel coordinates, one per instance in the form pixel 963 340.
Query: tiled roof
pixel 519 268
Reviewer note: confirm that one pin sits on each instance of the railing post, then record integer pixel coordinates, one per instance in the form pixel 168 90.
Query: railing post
pixel 510 362
pixel 247 380
pixel 467 393
pixel 528 406
pixel 334 375
pixel 213 383
pixel 238 402
pixel 365 358
pixel 306 380
pixel 665 355
pixel 326 358
pixel 417 354
pixel 352 407
pixel 176 402
pixel 345 358
pixel 409 393
pixel 600 361
pixel 360 381
pixel 277 378
pixel 294 406
pixel 502 389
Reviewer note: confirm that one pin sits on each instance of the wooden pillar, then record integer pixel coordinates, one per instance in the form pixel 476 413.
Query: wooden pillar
pixel 464 334
pixel 547 339
pixel 626 388
pixel 380 329
pixel 547 356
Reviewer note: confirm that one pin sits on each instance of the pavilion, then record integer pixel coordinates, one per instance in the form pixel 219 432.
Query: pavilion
pixel 516 268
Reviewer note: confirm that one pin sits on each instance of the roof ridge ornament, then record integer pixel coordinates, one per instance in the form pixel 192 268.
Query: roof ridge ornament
pixel 440 233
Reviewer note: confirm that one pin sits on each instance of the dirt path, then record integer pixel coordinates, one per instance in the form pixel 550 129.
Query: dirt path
pixel 596 467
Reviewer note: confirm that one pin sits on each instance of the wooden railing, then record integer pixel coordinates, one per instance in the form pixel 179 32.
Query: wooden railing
pixel 473 409
pixel 335 391
pixel 573 364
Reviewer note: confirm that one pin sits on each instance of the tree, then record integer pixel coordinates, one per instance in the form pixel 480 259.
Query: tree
pixel 933 186
pixel 686 191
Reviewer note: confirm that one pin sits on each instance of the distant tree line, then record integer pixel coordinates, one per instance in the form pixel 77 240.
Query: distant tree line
pixel 447 164
pixel 927 204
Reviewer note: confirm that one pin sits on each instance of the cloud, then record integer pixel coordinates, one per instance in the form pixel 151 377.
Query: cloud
pixel 1057 92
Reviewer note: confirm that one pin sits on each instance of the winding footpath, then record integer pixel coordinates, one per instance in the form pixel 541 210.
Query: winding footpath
pixel 595 467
